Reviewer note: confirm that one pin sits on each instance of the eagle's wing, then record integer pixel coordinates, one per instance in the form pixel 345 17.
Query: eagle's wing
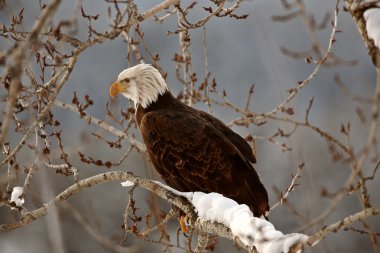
pixel 236 139
pixel 191 154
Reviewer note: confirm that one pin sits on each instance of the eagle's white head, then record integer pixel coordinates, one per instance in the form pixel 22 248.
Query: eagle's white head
pixel 142 83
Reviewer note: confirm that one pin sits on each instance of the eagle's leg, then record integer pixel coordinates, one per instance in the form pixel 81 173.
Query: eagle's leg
pixel 184 224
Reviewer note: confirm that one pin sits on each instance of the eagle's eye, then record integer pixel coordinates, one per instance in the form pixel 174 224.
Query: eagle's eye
pixel 127 80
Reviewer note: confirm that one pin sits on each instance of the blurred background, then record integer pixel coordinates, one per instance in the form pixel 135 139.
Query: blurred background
pixel 240 53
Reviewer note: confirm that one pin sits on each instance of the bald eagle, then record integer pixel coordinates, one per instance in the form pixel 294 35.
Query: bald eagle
pixel 190 149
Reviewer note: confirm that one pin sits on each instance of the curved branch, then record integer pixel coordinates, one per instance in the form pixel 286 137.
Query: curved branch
pixel 156 9
pixel 320 235
pixel 152 186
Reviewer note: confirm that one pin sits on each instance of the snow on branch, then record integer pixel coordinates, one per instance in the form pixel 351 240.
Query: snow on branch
pixel 127 183
pixel 16 196
pixel 372 17
pixel 251 231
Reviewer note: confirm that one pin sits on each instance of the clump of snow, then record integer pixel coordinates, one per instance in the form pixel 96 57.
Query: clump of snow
pixel 16 196
pixel 252 231
pixel 372 17
pixel 127 183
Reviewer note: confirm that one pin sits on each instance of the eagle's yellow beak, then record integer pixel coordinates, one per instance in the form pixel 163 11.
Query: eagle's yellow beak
pixel 116 88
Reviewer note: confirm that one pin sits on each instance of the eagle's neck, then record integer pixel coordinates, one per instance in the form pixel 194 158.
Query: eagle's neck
pixel 163 101
pixel 149 85
pixel 149 94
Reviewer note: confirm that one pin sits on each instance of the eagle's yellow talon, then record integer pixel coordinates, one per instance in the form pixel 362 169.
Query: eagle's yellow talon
pixel 183 222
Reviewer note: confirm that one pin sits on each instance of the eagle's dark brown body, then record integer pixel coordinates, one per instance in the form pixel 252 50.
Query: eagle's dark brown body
pixel 194 151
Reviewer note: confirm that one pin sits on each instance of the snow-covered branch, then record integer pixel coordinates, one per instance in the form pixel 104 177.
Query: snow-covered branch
pixel 209 214
pixel 366 15
pixel 372 17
